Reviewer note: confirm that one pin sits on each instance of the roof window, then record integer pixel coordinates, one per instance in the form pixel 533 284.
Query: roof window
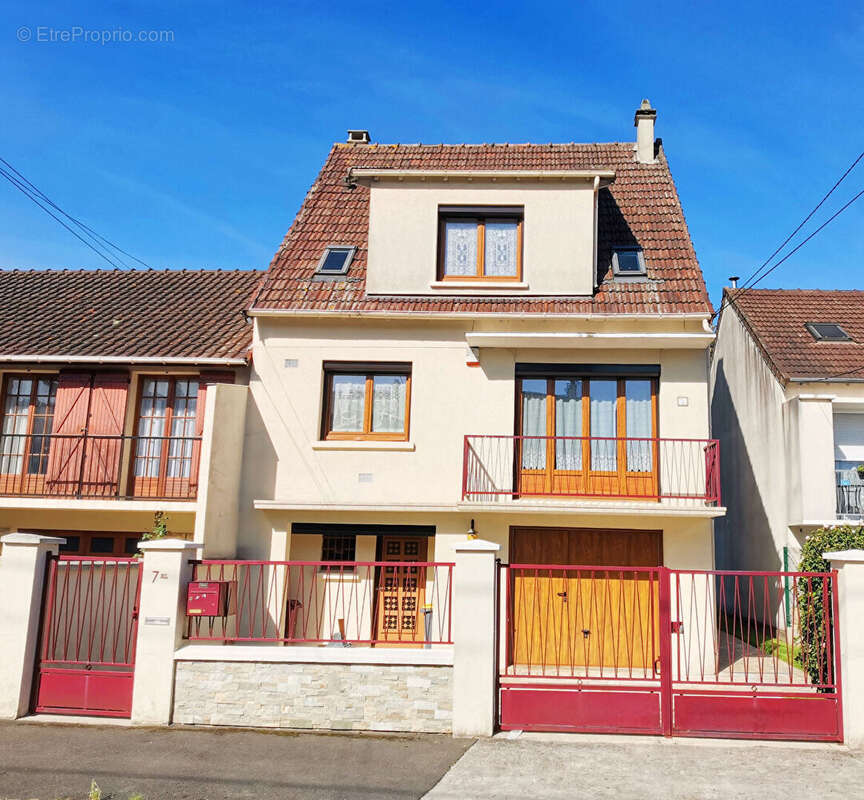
pixel 827 332
pixel 628 261
pixel 336 260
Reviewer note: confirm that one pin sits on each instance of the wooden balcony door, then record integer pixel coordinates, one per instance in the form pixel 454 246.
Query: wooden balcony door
pixel 587 423
pixel 401 592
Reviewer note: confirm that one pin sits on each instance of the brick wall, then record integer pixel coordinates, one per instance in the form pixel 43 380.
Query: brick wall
pixel 322 696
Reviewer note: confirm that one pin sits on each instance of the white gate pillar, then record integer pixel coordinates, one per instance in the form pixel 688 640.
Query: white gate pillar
pixel 850 602
pixel 22 578
pixel 165 574
pixel 474 638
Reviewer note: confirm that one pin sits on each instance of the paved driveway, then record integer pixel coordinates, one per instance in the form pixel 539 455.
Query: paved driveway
pixel 552 767
pixel 59 761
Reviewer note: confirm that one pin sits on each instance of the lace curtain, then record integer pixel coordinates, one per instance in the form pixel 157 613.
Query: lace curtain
pixel 533 424
pixel 182 426
pixel 499 257
pixel 639 425
pixel 349 396
pixel 568 422
pixel 604 395
pixel 388 403
pixel 15 416
pixel 460 247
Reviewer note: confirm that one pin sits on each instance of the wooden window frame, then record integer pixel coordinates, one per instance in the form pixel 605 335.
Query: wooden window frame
pixel 162 480
pixel 482 216
pixel 370 372
pixel 35 377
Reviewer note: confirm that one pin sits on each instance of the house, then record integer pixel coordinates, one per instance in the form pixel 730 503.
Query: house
pixel 501 340
pixel 105 375
pixel 787 404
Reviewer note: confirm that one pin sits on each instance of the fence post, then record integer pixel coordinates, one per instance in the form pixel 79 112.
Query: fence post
pixel 165 573
pixel 474 638
pixel 850 603
pixel 22 576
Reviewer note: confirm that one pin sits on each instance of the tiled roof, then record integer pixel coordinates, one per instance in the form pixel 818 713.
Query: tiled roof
pixel 776 318
pixel 113 313
pixel 641 206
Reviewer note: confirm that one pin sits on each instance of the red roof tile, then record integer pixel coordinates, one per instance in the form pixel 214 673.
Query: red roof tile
pixel 141 313
pixel 776 319
pixel 641 206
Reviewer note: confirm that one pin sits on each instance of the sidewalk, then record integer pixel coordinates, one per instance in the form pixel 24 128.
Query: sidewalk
pixel 572 767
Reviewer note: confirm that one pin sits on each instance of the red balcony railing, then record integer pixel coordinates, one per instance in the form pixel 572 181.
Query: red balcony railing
pixel 97 466
pixel 400 603
pixel 591 467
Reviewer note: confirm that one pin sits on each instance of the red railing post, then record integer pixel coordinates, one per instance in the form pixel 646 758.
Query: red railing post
pixel 665 603
pixel 465 468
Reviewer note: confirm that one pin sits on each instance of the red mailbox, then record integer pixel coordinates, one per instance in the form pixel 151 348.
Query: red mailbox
pixel 208 599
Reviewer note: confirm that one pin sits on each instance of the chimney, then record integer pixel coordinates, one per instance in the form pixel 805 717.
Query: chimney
pixel 733 281
pixel 644 122
pixel 358 137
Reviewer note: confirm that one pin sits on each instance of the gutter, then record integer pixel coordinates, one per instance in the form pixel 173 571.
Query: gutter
pixel 453 315
pixel 66 359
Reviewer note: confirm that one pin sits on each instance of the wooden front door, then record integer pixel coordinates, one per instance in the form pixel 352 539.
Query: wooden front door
pixel 573 608
pixel 401 592
pixel 589 437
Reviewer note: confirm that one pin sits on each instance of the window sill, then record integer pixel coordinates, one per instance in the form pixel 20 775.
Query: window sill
pixel 363 444
pixel 489 285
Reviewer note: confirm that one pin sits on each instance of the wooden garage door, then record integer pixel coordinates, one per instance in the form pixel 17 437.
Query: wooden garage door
pixel 570 606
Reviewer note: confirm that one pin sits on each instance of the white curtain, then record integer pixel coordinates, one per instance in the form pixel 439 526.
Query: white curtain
pixel 388 403
pixel 533 423
pixel 349 397
pixel 639 424
pixel 148 450
pixel 183 427
pixel 500 251
pixel 460 247
pixel 604 423
pixel 15 416
pixel 568 422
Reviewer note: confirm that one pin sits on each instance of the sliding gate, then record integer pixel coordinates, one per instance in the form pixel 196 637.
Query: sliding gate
pixel 86 659
pixel 670 652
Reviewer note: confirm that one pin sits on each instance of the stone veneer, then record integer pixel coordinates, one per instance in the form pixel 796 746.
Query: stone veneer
pixel 369 697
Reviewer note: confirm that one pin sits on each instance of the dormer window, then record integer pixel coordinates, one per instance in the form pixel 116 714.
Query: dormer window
pixel 480 243
pixel 827 332
pixel 336 260
pixel 628 261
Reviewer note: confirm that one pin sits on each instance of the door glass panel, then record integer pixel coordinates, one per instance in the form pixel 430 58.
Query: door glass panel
pixel 568 422
pixel 533 423
pixel 43 420
pixel 604 423
pixel 182 429
pixel 639 423
pixel 151 427
pixel 16 410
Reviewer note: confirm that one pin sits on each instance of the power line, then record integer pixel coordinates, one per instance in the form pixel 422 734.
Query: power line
pixel 755 276
pixel 36 195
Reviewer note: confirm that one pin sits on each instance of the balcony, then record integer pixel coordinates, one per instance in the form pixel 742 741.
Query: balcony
pixel 681 470
pixel 850 492
pixel 96 466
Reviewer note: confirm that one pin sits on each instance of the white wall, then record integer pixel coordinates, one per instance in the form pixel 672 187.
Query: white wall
pixel 558 234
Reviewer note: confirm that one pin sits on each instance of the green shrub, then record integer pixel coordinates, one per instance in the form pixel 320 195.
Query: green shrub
pixel 816 643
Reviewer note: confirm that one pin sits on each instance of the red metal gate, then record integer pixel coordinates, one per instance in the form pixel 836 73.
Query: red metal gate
pixel 86 659
pixel 670 652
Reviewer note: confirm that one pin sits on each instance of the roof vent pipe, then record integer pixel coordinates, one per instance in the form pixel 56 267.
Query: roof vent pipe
pixel 644 122
pixel 733 281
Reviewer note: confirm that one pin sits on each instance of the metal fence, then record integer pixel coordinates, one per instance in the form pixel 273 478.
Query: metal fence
pixel 341 603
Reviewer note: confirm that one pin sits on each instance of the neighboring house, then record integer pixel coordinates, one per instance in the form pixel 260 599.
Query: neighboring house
pixel 787 387
pixel 506 338
pixel 104 379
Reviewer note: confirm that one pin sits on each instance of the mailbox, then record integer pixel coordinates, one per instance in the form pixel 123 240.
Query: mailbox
pixel 208 599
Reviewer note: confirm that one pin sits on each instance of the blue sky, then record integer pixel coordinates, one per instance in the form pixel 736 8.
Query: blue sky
pixel 198 152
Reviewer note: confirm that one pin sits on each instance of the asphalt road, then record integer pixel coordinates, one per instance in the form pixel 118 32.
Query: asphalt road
pixel 59 761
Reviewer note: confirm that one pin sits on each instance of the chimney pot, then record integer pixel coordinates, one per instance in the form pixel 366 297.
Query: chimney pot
pixel 358 137
pixel 644 122
pixel 733 281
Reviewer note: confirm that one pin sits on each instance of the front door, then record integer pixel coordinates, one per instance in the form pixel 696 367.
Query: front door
pixel 569 605
pixel 401 592
pixel 589 437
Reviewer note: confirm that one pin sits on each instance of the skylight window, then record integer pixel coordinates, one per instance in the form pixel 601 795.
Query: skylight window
pixel 827 332
pixel 628 261
pixel 336 260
